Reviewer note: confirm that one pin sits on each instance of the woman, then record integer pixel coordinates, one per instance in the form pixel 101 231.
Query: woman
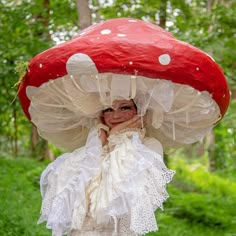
pixel 112 185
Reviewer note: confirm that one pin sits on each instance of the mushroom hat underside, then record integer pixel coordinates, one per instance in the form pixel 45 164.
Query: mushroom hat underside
pixel 66 108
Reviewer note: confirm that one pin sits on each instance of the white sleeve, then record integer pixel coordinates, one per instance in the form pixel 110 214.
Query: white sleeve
pixel 50 168
pixel 92 148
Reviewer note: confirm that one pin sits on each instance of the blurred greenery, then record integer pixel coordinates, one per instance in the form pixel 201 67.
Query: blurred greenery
pixel 20 197
pixel 200 203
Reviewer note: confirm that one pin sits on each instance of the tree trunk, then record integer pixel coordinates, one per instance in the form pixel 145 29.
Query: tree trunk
pixel 208 6
pixel 162 14
pixel 210 143
pixel 40 147
pixel 34 140
pixel 15 132
pixel 46 6
pixel 84 14
pixel 48 153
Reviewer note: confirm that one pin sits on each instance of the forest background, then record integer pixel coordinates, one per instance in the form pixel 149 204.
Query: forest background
pixel 204 189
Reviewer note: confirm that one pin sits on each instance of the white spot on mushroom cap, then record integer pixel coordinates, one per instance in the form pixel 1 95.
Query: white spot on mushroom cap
pixel 132 21
pixel 105 31
pixel 121 35
pixel 197 68
pixel 40 65
pixel 80 63
pixel 164 59
pixel 131 63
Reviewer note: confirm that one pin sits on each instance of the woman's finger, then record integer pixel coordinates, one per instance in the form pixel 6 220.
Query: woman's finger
pixel 135 122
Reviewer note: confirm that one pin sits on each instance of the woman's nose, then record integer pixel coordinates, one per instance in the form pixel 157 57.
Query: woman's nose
pixel 116 114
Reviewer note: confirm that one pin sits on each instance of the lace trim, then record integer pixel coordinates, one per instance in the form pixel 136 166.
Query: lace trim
pixel 124 182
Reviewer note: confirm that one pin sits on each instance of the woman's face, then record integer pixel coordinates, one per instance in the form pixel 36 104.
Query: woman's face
pixel 121 110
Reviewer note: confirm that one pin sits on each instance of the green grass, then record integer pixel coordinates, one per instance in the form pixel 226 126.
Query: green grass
pixel 200 203
pixel 20 198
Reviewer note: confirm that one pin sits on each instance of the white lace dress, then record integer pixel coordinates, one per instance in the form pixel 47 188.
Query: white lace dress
pixel 93 191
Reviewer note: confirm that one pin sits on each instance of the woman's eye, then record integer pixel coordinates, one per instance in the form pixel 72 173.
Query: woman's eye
pixel 108 110
pixel 125 108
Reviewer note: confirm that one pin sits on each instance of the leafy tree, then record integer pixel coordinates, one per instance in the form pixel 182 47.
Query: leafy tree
pixel 26 28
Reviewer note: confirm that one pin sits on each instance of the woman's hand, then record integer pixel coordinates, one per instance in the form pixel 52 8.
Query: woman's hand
pixel 135 122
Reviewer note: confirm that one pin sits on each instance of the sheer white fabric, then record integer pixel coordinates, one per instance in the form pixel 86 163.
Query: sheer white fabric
pixel 66 108
pixel 92 192
pixel 63 186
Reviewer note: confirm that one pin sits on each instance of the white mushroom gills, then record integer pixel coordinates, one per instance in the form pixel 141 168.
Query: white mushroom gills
pixel 173 130
pixel 187 117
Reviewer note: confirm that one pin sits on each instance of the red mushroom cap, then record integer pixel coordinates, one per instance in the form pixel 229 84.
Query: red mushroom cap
pixel 129 47
pixel 124 46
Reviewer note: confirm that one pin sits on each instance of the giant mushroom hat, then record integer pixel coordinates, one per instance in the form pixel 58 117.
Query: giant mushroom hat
pixel 180 88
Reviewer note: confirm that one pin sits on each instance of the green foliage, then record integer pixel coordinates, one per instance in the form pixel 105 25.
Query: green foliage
pixel 150 10
pixel 203 209
pixel 20 198
pixel 26 28
pixel 19 41
pixel 200 203
pixel 201 180
pixel 21 68
pixel 224 150
pixel 170 225
pixel 208 201
pixel 213 30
